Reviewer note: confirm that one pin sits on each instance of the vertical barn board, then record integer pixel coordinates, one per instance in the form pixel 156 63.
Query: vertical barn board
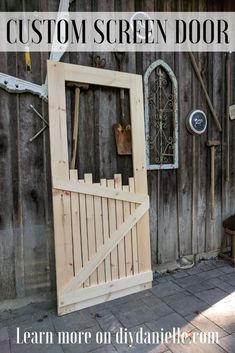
pixel 232 141
pixel 199 155
pixel 7 268
pixel 13 283
pixel 167 212
pixel 147 59
pixel 231 195
pixel 201 165
pixel 124 163
pixel 213 235
pixel 184 172
pixel 48 6
pixel 36 259
pixel 86 160
pixel 105 102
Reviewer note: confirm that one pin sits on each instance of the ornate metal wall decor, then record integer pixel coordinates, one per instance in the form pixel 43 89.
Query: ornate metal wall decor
pixel 161 116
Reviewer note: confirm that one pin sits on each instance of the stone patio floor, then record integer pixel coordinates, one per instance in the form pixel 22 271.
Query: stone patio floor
pixel 200 299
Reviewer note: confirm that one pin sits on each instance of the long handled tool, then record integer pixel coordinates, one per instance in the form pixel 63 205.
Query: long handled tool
pixel 199 76
pixel 212 145
pixel 78 87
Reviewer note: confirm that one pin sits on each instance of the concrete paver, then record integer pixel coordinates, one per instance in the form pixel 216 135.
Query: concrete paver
pixel 228 343
pixel 5 347
pixel 211 296
pixel 205 325
pixel 185 303
pixel 197 300
pixel 165 289
pixel 4 334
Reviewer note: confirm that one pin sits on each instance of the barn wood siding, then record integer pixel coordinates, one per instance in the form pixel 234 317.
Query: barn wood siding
pixel 180 219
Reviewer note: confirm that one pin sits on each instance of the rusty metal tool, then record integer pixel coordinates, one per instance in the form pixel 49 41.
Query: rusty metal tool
pixel 212 144
pixel 78 87
pixel 43 128
pixel 199 76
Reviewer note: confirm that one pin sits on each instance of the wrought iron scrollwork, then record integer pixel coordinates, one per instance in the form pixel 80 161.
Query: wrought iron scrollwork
pixel 161 119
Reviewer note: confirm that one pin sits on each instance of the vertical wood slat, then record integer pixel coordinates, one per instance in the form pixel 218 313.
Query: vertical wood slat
pixel 99 234
pixel 112 227
pixel 139 169
pixel 134 233
pixel 90 227
pixel 59 167
pixel 127 239
pixel 119 215
pixel 76 221
pixel 84 241
pixel 105 222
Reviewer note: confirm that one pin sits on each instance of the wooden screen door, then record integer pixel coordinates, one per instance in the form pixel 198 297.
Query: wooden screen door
pixel 102 241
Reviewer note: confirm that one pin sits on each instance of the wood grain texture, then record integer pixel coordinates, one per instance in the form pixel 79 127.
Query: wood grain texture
pixel 26 232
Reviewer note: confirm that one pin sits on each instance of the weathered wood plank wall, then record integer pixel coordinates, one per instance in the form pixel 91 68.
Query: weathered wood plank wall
pixel 180 199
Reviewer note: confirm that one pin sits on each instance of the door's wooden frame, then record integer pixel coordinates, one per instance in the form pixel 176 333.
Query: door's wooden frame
pixel 58 74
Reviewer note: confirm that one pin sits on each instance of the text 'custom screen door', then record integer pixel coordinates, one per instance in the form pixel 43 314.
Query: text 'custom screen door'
pixel 102 240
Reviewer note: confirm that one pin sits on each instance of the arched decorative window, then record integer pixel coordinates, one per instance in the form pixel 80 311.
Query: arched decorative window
pixel 161 116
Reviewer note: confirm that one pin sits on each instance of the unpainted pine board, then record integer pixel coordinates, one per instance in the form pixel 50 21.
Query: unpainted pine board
pixel 93 190
pixel 112 227
pixel 105 223
pixel 127 239
pixel 63 238
pixel 104 288
pixel 103 298
pixel 84 237
pixel 119 215
pixel 58 120
pixel 135 248
pixel 76 223
pixel 90 218
pixel 59 167
pixel 115 237
pixel 99 235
